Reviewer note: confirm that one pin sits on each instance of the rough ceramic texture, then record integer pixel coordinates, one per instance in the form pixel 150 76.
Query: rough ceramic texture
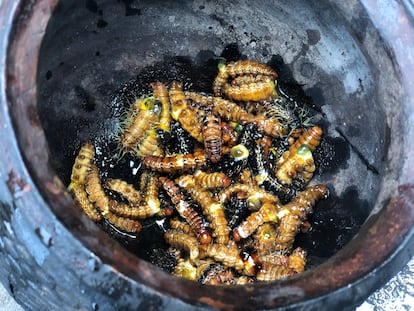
pixel 46 266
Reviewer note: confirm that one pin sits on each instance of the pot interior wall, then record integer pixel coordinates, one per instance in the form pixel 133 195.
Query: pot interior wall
pixel 91 50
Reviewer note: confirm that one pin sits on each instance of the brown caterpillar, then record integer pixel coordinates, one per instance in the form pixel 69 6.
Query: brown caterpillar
pixel 182 241
pixel 211 180
pixel 247 79
pixel 138 122
pixel 151 191
pixel 270 272
pixel 185 269
pixel 295 212
pixel 268 212
pixel 255 91
pixel 225 254
pixel 82 165
pixel 97 195
pixel 183 113
pixel 95 191
pixel 220 80
pixel 179 225
pixel 161 93
pixel 180 162
pixel 228 134
pixel 222 107
pixel 271 127
pixel 252 191
pixel 297 260
pixel 185 210
pixel 149 145
pixel 122 223
pixel 213 211
pixel 125 189
pixel 311 138
pixel 249 67
pixel 81 198
pixel 212 137
pixel 301 163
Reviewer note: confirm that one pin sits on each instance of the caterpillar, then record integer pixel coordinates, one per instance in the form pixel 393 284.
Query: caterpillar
pixel 225 254
pixel 293 214
pixel 82 165
pixel 270 272
pixel 183 113
pixel 213 211
pixel 151 191
pixel 220 79
pixel 84 203
pixel 177 224
pixel 247 79
pixel 212 137
pixel 254 91
pixel 249 67
pixel 139 121
pixel 98 196
pixel 182 241
pixel 185 269
pixel 180 162
pixel 269 126
pixel 311 138
pixel 267 213
pixel 185 210
pixel 228 134
pixel 301 163
pixel 297 260
pixel 211 180
pixel 128 191
pixel 149 145
pixel 160 92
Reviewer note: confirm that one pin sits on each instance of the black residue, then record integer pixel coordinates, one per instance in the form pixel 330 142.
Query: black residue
pixel 101 23
pixel 335 222
pixel 364 160
pixel 87 101
pixel 231 52
pixel 331 155
pixel 129 10
pixel 316 94
pixel 48 75
pixel 97 53
pixel 92 6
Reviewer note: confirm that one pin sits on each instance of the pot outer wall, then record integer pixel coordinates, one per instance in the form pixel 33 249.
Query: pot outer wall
pixel 45 266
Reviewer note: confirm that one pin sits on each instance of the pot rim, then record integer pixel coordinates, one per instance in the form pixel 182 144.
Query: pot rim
pixel 395 220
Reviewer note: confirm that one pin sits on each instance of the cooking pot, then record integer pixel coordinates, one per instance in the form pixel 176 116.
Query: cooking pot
pixel 64 62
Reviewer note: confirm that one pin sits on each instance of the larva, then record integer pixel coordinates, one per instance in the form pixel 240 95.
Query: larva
pixel 220 79
pixel 268 212
pixel 125 189
pixel 311 138
pixel 81 198
pixel 270 272
pixel 212 137
pixel 255 91
pixel 139 122
pixel 228 134
pixel 122 223
pixel 225 254
pixel 181 226
pixel 269 126
pixel 151 192
pixel 82 165
pixel 247 79
pixel 185 210
pixel 180 162
pixel 292 215
pixel 211 180
pixel 185 269
pixel 95 191
pixel 297 260
pixel 217 274
pixel 249 67
pixel 183 113
pixel 301 163
pixel 182 241
pixel 149 145
pixel 213 211
pixel 160 92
